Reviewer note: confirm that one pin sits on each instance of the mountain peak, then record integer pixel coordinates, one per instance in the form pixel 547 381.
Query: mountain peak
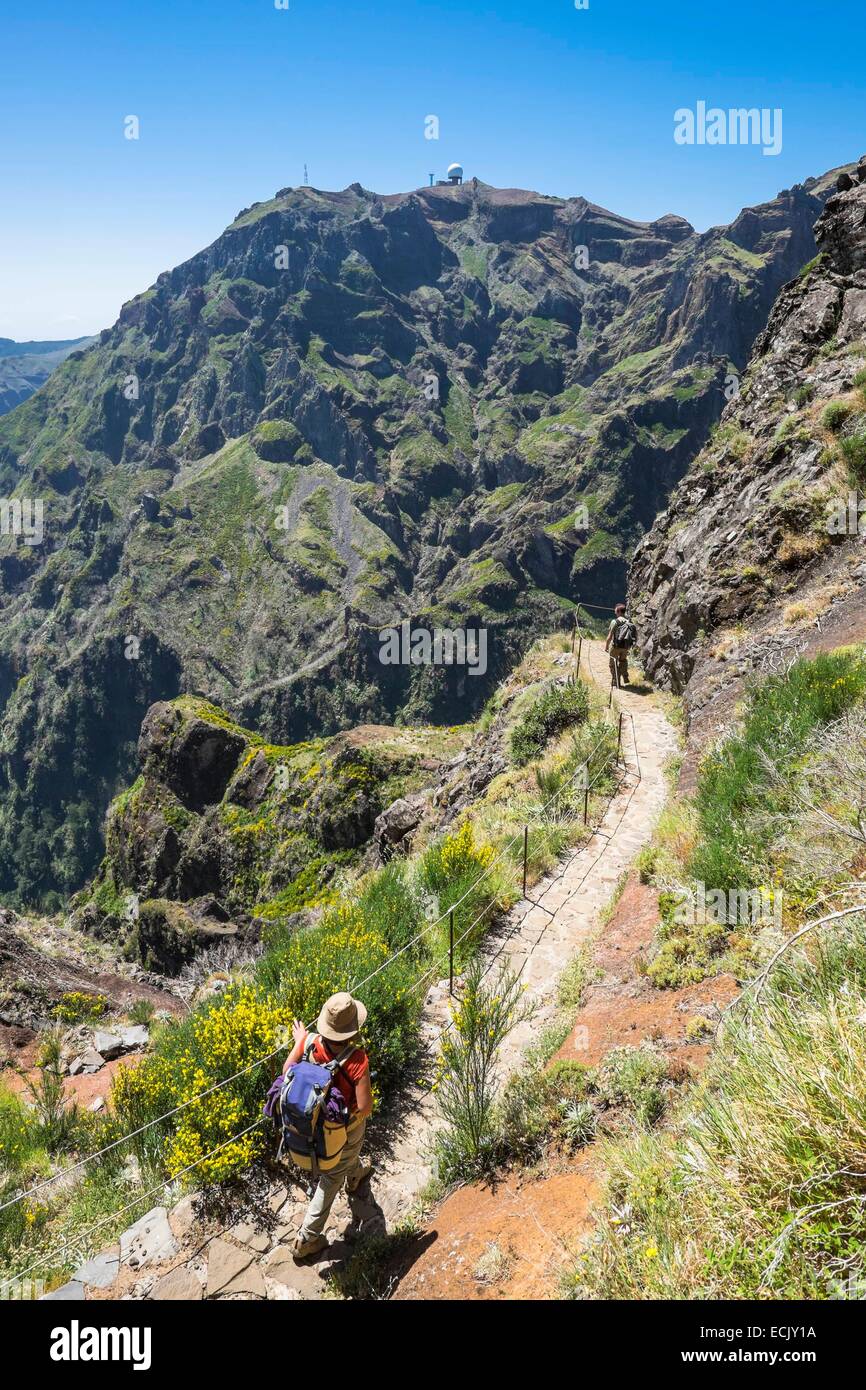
pixel 349 410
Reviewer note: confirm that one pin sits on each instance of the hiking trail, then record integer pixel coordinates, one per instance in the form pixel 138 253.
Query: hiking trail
pixel 537 939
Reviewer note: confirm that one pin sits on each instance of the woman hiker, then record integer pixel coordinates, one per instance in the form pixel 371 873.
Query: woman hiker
pixel 340 1021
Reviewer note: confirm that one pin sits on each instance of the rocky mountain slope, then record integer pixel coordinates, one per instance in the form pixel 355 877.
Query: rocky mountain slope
pixel 222 832
pixel 25 366
pixel 761 548
pixel 350 409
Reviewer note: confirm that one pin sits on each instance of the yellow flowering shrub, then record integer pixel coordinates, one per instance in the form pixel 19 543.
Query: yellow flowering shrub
pixel 244 1025
pixel 79 1007
pixel 454 857
pixel 226 1036
pixel 204 1129
pixel 453 868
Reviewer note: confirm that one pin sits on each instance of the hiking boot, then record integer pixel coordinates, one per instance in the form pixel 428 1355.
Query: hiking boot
pixel 305 1246
pixel 360 1175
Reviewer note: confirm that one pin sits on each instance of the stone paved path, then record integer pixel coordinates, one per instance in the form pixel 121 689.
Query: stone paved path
pixel 539 938
pixel 563 910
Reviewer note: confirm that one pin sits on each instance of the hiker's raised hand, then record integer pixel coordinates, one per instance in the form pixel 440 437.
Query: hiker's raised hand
pixel 299 1032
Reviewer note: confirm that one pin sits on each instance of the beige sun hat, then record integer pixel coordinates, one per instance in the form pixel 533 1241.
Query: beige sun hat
pixel 342 1017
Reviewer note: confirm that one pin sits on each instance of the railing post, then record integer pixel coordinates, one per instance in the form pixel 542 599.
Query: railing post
pixel 451 953
pixel 525 855
pixel 573 633
pixel 579 653
pixel 585 804
pixel 619 738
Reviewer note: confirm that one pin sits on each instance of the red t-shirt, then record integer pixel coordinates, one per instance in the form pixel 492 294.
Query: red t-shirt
pixel 348 1073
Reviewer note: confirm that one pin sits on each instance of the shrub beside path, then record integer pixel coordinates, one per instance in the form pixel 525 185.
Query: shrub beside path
pixel 193 1258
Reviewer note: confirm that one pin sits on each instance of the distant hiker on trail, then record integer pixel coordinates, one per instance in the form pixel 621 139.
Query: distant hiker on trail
pixel 335 1064
pixel 621 637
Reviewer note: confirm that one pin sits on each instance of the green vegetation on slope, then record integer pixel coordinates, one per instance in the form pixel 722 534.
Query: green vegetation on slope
pixel 755 1189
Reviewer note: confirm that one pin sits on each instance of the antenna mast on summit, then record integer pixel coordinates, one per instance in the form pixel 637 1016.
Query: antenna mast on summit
pixel 306 177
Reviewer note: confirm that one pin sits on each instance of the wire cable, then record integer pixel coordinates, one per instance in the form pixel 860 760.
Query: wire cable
pixel 143 1197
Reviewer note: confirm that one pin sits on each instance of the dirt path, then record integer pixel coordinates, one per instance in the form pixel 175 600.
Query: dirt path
pixel 540 937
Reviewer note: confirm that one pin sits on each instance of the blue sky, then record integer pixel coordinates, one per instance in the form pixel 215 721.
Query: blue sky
pixel 234 96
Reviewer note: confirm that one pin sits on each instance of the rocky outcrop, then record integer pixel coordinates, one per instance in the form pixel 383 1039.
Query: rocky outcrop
pixel 393 828
pixel 165 935
pixel 39 970
pixel 757 547
pixel 222 831
pixel 193 754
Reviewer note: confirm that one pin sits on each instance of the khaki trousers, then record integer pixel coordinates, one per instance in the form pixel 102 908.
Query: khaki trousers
pixel 330 1183
pixel 619 665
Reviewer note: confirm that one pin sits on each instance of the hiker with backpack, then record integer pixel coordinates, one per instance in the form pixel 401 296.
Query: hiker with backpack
pixel 621 637
pixel 324 1101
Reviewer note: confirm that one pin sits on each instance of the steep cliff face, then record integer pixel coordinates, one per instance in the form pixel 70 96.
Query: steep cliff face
pixel 222 831
pixel 762 544
pixel 348 410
